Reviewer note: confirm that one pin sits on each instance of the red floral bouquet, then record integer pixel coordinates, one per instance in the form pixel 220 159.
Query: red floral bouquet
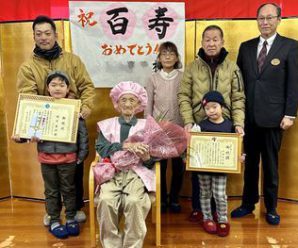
pixel 165 140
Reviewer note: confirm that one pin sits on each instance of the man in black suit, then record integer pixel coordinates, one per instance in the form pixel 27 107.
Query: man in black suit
pixel 269 65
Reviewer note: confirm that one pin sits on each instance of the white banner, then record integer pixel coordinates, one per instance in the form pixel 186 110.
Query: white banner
pixel 118 41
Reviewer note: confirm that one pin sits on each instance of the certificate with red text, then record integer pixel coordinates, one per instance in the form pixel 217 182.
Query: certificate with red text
pixel 47 118
pixel 214 152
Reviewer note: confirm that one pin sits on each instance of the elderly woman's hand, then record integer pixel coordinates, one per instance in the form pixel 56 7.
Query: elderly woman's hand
pixel 140 149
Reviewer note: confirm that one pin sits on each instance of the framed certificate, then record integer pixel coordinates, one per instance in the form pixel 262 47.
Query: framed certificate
pixel 47 118
pixel 214 152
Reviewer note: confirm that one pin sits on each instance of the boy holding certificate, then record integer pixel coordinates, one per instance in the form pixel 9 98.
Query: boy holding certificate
pixel 58 165
pixel 214 184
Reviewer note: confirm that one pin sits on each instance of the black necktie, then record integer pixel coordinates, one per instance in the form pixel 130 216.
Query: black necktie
pixel 262 56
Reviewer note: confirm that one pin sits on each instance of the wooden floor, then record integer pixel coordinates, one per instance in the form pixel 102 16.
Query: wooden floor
pixel 21 226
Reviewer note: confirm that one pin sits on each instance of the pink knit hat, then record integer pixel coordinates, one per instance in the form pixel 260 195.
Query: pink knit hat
pixel 129 87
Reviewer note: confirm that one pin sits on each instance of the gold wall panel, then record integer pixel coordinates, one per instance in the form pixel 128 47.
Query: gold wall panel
pixel 190 38
pixel 67 36
pixel 4 168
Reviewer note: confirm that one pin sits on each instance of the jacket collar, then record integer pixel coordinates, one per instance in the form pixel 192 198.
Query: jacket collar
pixel 218 60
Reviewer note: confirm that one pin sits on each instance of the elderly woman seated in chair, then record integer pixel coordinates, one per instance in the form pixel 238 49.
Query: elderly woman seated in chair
pixel 126 190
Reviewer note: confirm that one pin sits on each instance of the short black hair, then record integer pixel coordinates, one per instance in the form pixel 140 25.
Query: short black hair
pixel 278 8
pixel 43 19
pixel 57 74
pixel 170 47
pixel 213 27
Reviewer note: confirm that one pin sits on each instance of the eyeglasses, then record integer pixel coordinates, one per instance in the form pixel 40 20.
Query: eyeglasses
pixel 267 18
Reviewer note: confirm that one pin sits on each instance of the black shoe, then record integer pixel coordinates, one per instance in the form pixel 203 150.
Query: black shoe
pixel 175 207
pixel 272 218
pixel 242 211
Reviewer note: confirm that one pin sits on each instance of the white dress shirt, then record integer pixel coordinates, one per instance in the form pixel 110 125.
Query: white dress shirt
pixel 268 46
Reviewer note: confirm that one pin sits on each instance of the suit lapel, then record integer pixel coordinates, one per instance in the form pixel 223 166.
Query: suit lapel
pixel 273 50
pixel 253 54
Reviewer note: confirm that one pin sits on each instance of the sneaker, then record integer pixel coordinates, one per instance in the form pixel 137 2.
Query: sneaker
pixel 58 230
pixel 80 216
pixel 209 226
pixel 195 216
pixel 272 218
pixel 46 220
pixel 73 228
pixel 242 211
pixel 223 229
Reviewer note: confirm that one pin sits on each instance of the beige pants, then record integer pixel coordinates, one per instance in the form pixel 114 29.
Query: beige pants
pixel 126 194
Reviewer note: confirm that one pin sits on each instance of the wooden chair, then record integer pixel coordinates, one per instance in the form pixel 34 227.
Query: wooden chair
pixel 155 205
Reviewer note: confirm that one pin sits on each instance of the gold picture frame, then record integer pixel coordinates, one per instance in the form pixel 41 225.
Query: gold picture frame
pixel 47 118
pixel 214 152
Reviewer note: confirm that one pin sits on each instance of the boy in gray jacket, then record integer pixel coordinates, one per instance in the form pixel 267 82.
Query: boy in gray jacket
pixel 58 165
